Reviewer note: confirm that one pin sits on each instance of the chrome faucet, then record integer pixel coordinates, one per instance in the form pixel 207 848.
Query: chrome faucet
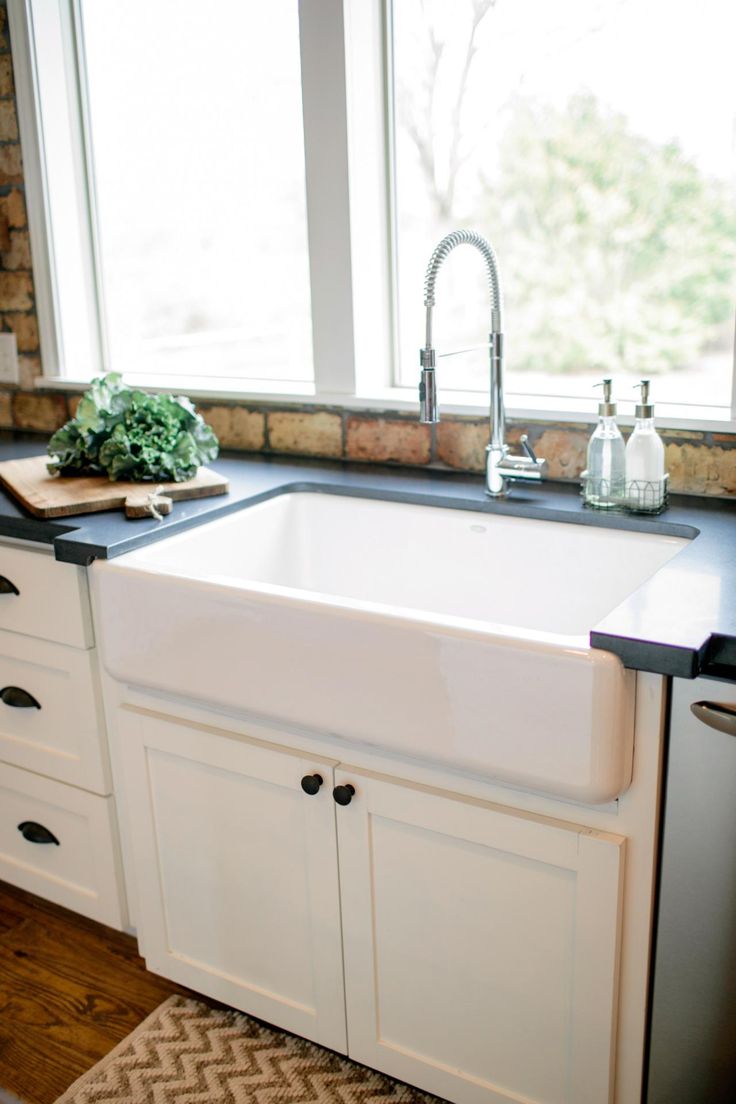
pixel 501 467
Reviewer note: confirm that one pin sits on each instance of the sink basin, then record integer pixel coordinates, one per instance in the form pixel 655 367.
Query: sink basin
pixel 454 636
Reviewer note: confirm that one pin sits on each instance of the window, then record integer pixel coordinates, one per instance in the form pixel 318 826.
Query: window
pixel 200 191
pixel 593 142
pixel 177 207
pixel 242 198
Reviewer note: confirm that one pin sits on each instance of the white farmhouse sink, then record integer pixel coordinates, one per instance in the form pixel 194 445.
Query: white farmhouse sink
pixel 455 636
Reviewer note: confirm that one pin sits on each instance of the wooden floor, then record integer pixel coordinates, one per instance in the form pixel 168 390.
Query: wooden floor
pixel 70 989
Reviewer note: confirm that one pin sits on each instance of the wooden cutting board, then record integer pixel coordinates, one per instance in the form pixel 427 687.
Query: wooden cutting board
pixel 50 496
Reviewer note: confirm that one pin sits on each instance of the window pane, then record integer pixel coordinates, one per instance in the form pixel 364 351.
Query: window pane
pixel 199 167
pixel 594 143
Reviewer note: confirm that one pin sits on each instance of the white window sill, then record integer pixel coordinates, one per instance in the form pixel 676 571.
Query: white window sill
pixel 402 400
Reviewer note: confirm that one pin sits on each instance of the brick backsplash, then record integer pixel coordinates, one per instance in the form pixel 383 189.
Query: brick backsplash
pixel 699 463
pixel 17 299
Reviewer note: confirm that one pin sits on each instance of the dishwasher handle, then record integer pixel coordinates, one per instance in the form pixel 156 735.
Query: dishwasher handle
pixel 720 715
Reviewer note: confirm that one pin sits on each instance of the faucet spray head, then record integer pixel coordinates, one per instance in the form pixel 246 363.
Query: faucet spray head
pixel 428 407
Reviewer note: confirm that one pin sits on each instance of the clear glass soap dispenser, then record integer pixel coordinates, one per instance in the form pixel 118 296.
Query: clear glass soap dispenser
pixel 645 477
pixel 605 478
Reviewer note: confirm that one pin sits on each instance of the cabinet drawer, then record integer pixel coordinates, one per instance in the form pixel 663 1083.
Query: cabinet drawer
pixel 63 734
pixel 81 871
pixel 41 597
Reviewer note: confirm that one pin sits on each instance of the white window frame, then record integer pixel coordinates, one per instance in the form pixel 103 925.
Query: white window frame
pixel 348 135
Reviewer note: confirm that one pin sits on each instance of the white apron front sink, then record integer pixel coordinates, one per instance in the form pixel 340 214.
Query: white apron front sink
pixel 453 636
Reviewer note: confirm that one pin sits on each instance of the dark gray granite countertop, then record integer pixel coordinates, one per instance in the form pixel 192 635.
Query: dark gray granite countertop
pixel 681 622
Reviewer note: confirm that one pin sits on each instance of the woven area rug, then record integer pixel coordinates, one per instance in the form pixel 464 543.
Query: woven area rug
pixel 187 1052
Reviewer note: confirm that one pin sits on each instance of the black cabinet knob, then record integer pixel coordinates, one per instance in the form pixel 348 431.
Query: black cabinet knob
pixel 19 699
pixel 6 587
pixel 311 783
pixel 36 833
pixel 343 795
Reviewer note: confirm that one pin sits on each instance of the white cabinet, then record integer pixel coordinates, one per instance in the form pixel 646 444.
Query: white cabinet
pixel 59 842
pixel 54 770
pixel 59 730
pixel 480 943
pixel 236 872
pixel 41 597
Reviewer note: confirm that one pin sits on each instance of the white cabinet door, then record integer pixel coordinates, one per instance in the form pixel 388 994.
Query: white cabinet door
pixel 480 945
pixel 236 869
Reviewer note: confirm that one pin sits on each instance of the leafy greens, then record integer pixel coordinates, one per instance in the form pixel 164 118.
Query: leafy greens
pixel 131 435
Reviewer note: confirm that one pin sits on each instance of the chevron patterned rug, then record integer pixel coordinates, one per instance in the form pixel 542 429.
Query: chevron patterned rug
pixel 186 1051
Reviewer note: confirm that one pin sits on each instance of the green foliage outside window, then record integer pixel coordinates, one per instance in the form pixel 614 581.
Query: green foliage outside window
pixel 643 243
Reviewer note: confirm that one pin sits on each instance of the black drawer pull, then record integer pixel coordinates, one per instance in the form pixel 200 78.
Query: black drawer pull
pixel 19 699
pixel 36 833
pixel 6 587
pixel 719 715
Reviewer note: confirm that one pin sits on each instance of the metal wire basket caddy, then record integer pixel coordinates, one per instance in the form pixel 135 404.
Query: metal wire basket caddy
pixel 639 497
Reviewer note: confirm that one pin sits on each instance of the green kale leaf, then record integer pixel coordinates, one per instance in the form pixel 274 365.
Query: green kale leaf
pixel 130 435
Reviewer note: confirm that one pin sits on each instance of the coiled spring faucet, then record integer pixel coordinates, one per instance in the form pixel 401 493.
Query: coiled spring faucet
pixel 501 467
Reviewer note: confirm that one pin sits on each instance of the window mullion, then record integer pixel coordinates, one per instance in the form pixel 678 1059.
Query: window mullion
pixel 88 217
pixel 30 125
pixel 52 135
pixel 369 141
pixel 324 100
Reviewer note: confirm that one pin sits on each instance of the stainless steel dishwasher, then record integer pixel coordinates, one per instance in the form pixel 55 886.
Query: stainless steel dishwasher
pixel 692 1052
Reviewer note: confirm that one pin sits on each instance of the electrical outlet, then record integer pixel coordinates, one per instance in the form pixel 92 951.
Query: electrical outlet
pixel 8 358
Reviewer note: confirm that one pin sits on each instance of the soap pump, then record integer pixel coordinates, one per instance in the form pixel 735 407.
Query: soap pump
pixel 605 477
pixel 645 474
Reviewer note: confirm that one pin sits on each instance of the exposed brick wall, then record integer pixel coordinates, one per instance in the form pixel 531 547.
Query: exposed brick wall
pixel 699 463
pixel 17 300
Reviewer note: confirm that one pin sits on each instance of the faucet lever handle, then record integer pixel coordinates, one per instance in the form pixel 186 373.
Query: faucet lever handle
pixel 524 442
pixel 528 467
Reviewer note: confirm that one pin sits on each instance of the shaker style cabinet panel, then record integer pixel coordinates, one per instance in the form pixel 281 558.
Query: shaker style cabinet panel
pixel 480 944
pixel 236 871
